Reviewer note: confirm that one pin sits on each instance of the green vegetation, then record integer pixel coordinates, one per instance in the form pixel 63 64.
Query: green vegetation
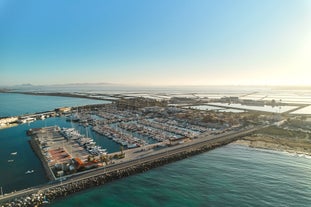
pixel 284 133
pixel 140 102
pixel 104 158
pixel 277 138
pixel 299 122
pixel 119 156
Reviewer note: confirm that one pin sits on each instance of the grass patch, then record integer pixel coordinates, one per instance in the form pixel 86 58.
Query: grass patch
pixel 284 133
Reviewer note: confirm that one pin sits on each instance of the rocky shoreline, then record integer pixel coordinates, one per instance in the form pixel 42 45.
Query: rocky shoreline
pixel 59 191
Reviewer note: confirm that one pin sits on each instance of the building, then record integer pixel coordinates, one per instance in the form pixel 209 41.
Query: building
pixel 63 109
pixel 8 120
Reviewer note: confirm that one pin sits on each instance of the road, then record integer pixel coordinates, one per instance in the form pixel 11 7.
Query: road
pixel 142 157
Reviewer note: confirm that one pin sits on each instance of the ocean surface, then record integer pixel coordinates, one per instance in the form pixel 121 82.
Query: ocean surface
pixel 229 176
pixel 232 175
pixel 14 139
pixel 12 104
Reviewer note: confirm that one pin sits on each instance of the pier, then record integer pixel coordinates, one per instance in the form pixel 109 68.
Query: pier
pixel 150 137
pixel 26 118
pixel 143 161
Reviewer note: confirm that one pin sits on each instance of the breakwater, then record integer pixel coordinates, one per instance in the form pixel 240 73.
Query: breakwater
pixel 59 191
pixel 35 147
pixel 38 196
pixel 64 94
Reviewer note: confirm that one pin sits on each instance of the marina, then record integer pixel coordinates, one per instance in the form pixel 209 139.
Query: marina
pixel 64 150
pixel 122 169
pixel 155 103
pixel 140 130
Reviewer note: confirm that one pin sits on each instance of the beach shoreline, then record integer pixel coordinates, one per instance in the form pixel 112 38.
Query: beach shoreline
pixel 268 143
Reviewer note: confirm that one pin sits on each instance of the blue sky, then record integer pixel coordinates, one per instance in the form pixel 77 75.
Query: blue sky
pixel 163 42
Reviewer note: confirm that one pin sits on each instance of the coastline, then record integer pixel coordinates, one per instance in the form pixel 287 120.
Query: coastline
pixel 258 140
pixel 37 196
pixel 71 95
pixel 275 144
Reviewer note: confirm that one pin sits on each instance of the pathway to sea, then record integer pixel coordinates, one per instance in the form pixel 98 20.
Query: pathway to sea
pixel 232 175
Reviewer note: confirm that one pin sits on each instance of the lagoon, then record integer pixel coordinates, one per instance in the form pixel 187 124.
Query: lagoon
pixel 13 104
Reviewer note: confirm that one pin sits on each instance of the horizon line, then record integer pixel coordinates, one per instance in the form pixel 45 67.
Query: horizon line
pixel 153 85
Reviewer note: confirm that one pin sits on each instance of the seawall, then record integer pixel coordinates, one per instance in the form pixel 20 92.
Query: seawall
pixel 35 146
pixel 61 190
pixel 37 195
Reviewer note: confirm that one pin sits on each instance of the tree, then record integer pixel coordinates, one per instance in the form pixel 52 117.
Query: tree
pixel 90 158
pixel 104 158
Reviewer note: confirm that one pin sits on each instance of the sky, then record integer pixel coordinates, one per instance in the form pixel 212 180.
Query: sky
pixel 162 42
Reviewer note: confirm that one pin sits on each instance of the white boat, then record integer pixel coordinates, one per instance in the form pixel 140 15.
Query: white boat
pixel 26 120
pixel 10 160
pixel 130 146
pixel 29 171
pixel 13 153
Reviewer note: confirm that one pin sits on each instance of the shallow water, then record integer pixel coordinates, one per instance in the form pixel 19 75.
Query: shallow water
pixel 229 176
pixel 18 104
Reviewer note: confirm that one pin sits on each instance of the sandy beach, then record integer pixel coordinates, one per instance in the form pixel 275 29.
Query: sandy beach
pixel 278 144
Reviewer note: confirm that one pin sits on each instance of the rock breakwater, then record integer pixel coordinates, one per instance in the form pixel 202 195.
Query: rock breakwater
pixel 61 190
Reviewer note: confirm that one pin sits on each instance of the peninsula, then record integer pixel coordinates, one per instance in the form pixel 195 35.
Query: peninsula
pixel 150 133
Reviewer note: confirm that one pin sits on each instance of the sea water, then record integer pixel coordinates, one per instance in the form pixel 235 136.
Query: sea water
pixel 14 139
pixel 228 176
pixel 232 175
pixel 12 104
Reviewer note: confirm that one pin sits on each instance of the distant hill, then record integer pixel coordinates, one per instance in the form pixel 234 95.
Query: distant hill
pixel 24 85
pixel 83 84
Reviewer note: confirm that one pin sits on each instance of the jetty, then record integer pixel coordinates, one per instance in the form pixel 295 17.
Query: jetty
pixel 138 160
pixel 149 132
pixel 6 122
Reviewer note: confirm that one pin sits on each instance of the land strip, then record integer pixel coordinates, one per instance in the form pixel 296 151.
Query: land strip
pixel 118 170
pixel 279 139
pixel 63 94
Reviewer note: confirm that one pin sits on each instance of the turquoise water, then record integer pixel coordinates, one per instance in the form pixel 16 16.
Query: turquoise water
pixel 229 176
pixel 12 174
pixel 17 104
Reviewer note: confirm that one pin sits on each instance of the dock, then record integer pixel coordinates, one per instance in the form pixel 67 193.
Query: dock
pixel 62 150
pixel 144 160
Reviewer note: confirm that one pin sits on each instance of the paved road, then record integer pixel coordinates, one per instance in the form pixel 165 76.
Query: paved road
pixel 142 157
